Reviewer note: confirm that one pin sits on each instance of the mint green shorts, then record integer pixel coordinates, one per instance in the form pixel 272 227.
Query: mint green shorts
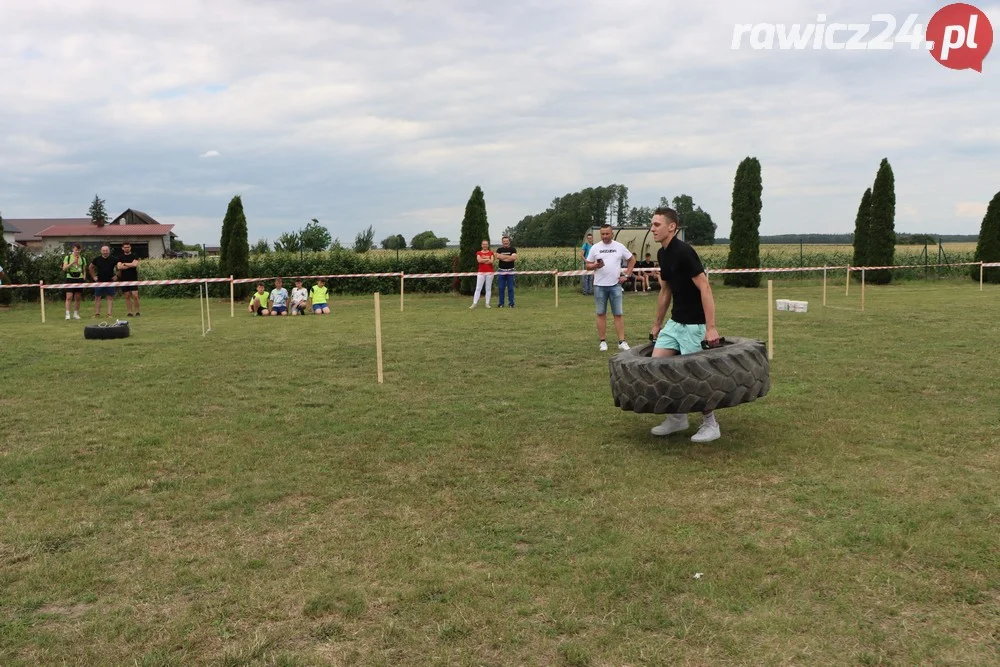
pixel 685 338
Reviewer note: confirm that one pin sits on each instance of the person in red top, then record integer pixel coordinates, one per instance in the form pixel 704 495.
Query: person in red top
pixel 485 258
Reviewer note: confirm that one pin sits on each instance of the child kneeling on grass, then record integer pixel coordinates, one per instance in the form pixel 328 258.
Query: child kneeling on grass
pixel 258 301
pixel 318 296
pixel 299 298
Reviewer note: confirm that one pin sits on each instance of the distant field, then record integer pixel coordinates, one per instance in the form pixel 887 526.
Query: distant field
pixel 708 252
pixel 531 259
pixel 783 249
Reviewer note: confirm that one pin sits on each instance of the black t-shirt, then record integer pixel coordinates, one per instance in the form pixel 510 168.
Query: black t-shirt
pixel 679 264
pixel 501 251
pixel 644 264
pixel 129 274
pixel 106 267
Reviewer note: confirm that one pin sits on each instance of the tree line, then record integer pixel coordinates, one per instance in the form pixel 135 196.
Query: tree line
pixel 569 217
pixel 314 237
pixel 848 239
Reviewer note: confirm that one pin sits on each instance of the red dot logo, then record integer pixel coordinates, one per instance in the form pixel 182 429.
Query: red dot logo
pixel 961 35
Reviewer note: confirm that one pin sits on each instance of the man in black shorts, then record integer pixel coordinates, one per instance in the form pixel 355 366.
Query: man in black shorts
pixel 682 279
pixel 74 268
pixel 128 271
pixel 102 270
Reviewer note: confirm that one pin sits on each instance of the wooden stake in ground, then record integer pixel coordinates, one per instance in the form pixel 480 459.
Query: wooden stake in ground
pixel 208 308
pixel 557 289
pixel 848 291
pixel 402 288
pixel 862 290
pixel 980 278
pixel 232 298
pixel 201 309
pixel 824 285
pixel 770 319
pixel 378 336
pixel 41 293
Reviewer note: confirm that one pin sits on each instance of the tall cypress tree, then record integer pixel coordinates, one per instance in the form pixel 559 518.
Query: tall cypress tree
pixel 227 228
pixel 744 238
pixel 5 294
pixel 475 228
pixel 988 246
pixel 861 229
pixel 881 248
pixel 234 258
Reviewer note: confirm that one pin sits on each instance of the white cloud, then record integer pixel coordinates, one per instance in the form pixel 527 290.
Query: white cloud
pixel 385 115
pixel 970 209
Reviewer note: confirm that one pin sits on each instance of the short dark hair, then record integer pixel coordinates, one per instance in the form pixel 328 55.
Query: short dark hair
pixel 668 213
pixel 608 225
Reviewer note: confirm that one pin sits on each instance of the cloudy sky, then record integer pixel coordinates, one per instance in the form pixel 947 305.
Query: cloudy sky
pixel 389 112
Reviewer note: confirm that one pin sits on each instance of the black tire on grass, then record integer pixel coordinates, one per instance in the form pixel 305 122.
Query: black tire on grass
pixel 97 332
pixel 723 377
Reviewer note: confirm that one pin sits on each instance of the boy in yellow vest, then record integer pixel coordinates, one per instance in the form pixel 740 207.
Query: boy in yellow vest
pixel 258 301
pixel 317 298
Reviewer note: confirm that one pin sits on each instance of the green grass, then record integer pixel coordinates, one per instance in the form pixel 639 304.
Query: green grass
pixel 255 497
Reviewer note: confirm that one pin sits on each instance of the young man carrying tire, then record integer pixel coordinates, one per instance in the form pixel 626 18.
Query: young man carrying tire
pixel 683 281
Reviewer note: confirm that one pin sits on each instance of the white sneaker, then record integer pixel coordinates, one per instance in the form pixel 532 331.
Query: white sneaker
pixel 473 306
pixel 672 424
pixel 623 346
pixel 76 316
pixel 707 433
pixel 487 305
pixel 67 316
pixel 603 347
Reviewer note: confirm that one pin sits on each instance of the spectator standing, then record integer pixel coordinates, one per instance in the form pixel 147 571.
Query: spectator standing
pixel 605 260
pixel 588 280
pixel 484 274
pixel 507 256
pixel 103 269
pixel 128 271
pixel 75 267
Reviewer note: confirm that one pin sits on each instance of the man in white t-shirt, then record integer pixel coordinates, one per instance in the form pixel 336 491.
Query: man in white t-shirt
pixel 605 260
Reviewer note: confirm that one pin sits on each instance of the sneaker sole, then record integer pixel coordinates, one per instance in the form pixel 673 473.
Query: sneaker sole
pixel 654 431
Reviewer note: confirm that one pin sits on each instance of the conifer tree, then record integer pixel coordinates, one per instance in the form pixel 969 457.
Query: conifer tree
pixel 744 238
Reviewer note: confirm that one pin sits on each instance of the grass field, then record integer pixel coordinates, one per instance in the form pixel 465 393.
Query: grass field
pixel 254 497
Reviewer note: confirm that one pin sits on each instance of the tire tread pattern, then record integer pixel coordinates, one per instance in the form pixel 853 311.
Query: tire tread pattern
pixel 722 377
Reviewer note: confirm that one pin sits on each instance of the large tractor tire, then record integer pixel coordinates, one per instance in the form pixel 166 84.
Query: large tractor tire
pixel 721 377
pixel 100 332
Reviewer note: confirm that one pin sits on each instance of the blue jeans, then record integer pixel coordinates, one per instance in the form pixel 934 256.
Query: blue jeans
pixel 612 293
pixel 505 282
pixel 588 284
